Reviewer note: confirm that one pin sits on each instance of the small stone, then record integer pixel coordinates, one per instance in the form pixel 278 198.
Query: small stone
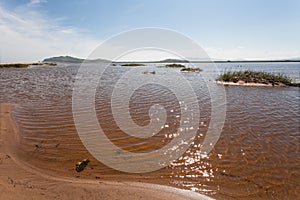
pixel 81 165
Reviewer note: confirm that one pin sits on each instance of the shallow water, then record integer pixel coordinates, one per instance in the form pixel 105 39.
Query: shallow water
pixel 256 156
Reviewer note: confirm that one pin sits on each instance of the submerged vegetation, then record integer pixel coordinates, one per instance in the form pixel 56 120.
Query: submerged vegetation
pixel 132 64
pixel 149 72
pixel 256 77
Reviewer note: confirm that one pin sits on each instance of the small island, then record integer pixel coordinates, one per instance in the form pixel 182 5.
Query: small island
pixel 174 66
pixel 183 68
pixel 132 64
pixel 254 78
pixel 188 69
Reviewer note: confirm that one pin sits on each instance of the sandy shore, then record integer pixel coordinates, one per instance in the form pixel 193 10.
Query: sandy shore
pixel 20 181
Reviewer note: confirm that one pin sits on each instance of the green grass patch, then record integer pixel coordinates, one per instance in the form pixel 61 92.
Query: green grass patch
pixel 249 76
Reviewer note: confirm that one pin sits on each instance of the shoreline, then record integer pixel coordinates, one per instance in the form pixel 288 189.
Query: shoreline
pixel 26 65
pixel 20 181
pixel 242 83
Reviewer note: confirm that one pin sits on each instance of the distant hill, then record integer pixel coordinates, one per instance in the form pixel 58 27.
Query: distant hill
pixel 64 59
pixel 173 61
pixel 70 59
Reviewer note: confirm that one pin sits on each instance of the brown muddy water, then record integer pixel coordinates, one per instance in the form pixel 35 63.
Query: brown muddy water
pixel 256 157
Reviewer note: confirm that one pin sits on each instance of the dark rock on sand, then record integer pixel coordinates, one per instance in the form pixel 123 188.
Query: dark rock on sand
pixel 81 165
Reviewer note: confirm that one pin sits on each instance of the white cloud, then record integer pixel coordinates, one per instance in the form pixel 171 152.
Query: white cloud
pixel 27 35
pixel 34 2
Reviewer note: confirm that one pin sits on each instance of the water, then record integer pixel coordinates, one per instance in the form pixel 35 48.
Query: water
pixel 257 155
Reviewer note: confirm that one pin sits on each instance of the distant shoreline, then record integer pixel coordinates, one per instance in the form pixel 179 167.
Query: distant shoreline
pixel 26 65
pixel 216 61
pixel 246 61
pixel 213 61
pixel 74 60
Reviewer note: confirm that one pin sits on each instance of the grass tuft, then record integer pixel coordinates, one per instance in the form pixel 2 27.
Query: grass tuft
pixel 249 76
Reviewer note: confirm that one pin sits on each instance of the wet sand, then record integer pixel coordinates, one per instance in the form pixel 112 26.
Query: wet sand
pixel 20 181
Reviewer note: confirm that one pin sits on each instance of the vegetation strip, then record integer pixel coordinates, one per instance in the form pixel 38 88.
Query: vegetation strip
pixel 256 77
pixel 25 65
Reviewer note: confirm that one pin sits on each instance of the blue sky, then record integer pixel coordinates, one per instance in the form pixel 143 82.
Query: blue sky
pixel 227 29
